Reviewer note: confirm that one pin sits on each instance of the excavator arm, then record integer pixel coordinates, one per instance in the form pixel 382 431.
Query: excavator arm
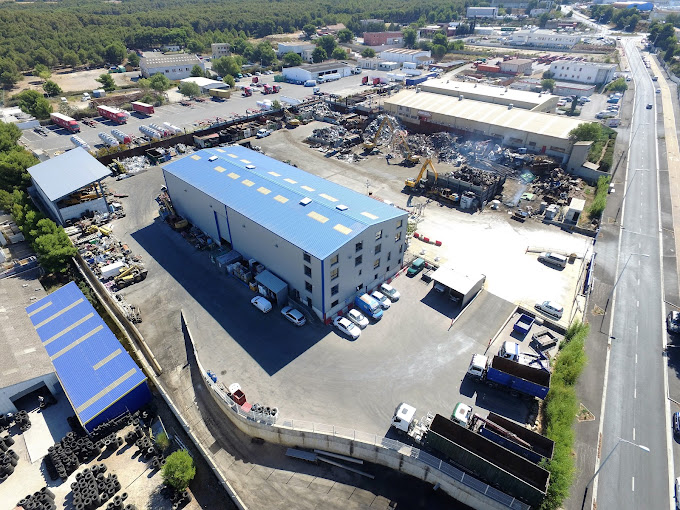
pixel 369 146
pixel 413 183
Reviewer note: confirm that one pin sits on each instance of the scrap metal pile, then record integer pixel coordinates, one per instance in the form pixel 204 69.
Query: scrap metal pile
pixel 330 135
pixel 556 186
pixel 386 133
pixel 476 176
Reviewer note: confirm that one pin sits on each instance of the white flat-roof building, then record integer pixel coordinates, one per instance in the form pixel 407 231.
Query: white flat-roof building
pixel 537 38
pixel 205 84
pixel 220 50
pixel 583 72
pixel 505 96
pixel 514 127
pixel 406 55
pixel 482 12
pixel 175 67
pixel 314 71
pixel 303 49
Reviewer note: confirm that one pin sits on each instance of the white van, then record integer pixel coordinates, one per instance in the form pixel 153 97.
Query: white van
pixel 310 83
pixel 553 259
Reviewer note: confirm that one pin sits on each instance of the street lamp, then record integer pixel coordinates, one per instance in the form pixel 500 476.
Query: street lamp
pixel 621 440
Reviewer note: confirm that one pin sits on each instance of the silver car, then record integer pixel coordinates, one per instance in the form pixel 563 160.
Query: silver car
pixel 347 327
pixel 357 318
pixel 551 309
pixel 390 292
pixel 293 315
pixel 382 299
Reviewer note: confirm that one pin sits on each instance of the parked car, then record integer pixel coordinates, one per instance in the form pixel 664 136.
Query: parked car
pixel 676 422
pixel 357 318
pixel 551 309
pixel 416 267
pixel 261 304
pixel 347 327
pixel 649 106
pixel 553 259
pixel 390 292
pixel 382 299
pixel 293 315
pixel 673 322
pixel 261 133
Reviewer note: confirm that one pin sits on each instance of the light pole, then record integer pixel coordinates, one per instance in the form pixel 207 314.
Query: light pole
pixel 621 440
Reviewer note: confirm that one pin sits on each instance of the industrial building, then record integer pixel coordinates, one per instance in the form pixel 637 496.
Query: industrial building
pixel 482 12
pixel 401 55
pixel 220 50
pixel 640 6
pixel 25 367
pixel 325 242
pixel 69 185
pixel 460 287
pixel 517 66
pixel 314 71
pixel 305 50
pixel 100 379
pixel 514 127
pixel 175 67
pixel 382 38
pixel 205 84
pixel 583 72
pixel 534 101
pixel 537 38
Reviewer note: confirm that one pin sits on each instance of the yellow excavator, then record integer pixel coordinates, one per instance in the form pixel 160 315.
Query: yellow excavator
pixel 410 159
pixel 176 221
pixel 130 275
pixel 291 120
pixel 412 184
pixel 369 146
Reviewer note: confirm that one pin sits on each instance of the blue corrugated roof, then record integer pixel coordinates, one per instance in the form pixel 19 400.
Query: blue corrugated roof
pixel 68 172
pixel 93 367
pixel 269 192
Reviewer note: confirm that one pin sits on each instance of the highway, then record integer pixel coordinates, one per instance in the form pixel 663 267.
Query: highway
pixel 636 408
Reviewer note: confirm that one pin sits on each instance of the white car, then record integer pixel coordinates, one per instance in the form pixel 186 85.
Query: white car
pixel 293 315
pixel 357 318
pixel 262 133
pixel 261 304
pixel 551 309
pixel 382 299
pixel 390 292
pixel 347 327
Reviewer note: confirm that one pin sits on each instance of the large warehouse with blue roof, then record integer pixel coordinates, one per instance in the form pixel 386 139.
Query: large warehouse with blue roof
pixel 325 241
pixel 99 378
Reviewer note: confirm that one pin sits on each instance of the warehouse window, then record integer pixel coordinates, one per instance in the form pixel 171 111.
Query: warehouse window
pixel 335 289
pixel 378 247
pixel 400 223
pixel 359 246
pixel 378 235
pixel 389 257
pixel 308 271
pixel 376 264
pixel 307 257
pixel 308 287
pixel 334 260
pixel 358 260
pixel 334 303
pixel 397 237
pixel 335 273
pixel 400 247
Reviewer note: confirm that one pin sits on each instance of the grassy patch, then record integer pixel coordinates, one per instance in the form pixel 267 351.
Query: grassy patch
pixel 600 201
pixel 560 410
pixel 602 150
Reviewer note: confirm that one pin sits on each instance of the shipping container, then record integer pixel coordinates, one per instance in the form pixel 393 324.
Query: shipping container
pixel 116 115
pixel 140 107
pixel 221 93
pixel 415 81
pixel 65 121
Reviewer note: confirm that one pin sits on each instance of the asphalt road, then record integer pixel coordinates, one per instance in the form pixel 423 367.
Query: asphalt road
pixel 636 408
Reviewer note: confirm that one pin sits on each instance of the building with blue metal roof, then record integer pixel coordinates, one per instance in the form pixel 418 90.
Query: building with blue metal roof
pixel 99 378
pixel 58 183
pixel 327 242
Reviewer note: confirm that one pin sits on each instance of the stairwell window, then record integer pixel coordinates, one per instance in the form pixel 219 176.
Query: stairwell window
pixel 335 273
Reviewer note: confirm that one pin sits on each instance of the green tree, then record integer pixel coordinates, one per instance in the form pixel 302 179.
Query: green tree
pixel 438 51
pixel 328 43
pixel 618 85
pixel 178 470
pixel 160 82
pixel 548 84
pixel 115 53
pixel 547 75
pixel 319 55
pixel 51 88
pixel 34 103
pixel 41 71
pixel 410 37
pixel 291 59
pixel 543 19
pixel 13 165
pixel 197 71
pixel 588 131
pixel 107 82
pixel 229 80
pixel 9 134
pixel 227 65
pixel 144 83
pixel 339 54
pixel 345 35
pixel 276 105
pixel 70 58
pixel 53 247
pixel 440 39
pixel 264 53
pixel 368 53
pixel 309 30
pixel 189 89
pixel 457 45
pixel 9 73
pixel 162 441
pixel 133 59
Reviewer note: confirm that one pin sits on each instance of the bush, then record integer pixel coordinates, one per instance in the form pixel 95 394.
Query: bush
pixel 162 441
pixel 178 470
pixel 600 202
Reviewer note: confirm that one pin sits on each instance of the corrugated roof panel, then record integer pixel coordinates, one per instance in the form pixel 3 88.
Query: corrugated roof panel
pixel 94 370
pixel 284 216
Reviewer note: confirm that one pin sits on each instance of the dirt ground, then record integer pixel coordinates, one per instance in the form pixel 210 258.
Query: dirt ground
pixel 77 81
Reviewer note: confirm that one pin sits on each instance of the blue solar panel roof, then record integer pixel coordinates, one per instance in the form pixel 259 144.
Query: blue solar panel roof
pixel 270 192
pixel 93 367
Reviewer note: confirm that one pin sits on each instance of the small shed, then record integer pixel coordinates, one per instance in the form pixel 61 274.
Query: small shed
pixel 461 287
pixel 272 287
pixel 575 210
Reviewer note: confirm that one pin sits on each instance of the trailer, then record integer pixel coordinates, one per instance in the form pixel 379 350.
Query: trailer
pixel 172 128
pixel 524 442
pixel 150 132
pixel 161 129
pixel 79 142
pixel 108 139
pixel 115 114
pixel 65 121
pixel 120 136
pixel 500 372
pixel 140 107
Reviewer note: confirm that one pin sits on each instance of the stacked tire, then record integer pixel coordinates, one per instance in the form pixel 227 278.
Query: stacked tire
pixel 40 500
pixel 22 420
pixel 93 488
pixel 67 455
pixel 8 461
pixel 180 500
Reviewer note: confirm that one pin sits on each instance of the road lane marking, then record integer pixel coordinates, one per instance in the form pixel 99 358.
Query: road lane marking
pixel 633 433
pixel 633 485
pixel 636 359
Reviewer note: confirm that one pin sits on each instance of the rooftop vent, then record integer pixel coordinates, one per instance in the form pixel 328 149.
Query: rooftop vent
pixel 212 158
pixel 341 207
pixel 306 201
pixel 460 97
pixel 250 167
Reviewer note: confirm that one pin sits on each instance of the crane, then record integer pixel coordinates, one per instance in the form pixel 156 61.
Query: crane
pixel 369 146
pixel 410 159
pixel 177 222
pixel 412 184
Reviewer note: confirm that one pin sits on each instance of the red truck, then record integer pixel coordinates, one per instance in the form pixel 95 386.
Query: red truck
pixel 114 114
pixel 271 89
pixel 276 89
pixel 247 92
pixel 65 122
pixel 140 107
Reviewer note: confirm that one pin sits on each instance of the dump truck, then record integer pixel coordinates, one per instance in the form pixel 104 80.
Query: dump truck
pixel 65 121
pixel 116 115
pixel 144 108
pixel 481 457
pixel 504 373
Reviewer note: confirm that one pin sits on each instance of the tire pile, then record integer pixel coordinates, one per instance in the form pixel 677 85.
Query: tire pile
pixel 66 456
pixel 41 500
pixel 93 488
pixel 21 419
pixel 8 458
